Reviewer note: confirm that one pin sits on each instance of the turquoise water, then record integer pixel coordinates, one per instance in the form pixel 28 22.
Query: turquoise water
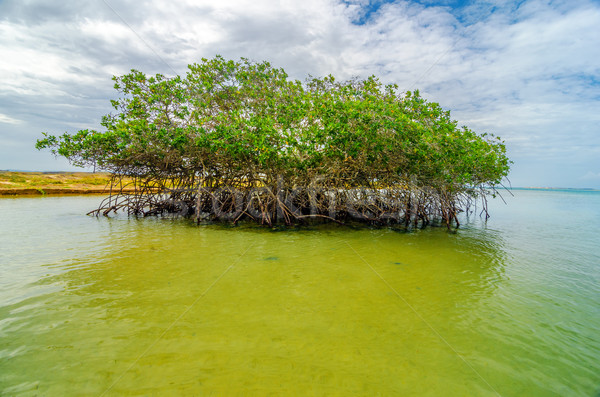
pixel 96 306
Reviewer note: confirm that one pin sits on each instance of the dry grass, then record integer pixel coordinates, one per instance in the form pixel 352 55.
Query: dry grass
pixel 40 180
pixel 52 182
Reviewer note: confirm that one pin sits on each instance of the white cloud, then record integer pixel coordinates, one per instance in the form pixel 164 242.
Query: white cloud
pixel 9 120
pixel 591 176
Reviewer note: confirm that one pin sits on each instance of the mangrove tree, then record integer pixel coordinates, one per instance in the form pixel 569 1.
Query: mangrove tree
pixel 236 140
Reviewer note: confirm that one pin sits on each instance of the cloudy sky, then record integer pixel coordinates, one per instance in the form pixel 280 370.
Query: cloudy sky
pixel 528 71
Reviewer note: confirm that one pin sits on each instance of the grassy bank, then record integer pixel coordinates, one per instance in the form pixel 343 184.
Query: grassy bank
pixel 32 183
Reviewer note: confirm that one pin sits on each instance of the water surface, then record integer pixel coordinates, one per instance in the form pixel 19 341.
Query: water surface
pixel 96 306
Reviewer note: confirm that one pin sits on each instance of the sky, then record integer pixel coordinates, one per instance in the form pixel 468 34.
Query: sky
pixel 527 71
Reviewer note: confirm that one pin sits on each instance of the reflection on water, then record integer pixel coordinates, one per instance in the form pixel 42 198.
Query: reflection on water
pixel 150 306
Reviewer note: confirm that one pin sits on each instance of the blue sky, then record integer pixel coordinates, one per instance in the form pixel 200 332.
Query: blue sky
pixel 528 71
pixel 368 9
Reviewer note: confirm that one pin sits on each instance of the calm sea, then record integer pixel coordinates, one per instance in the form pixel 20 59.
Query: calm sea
pixel 97 306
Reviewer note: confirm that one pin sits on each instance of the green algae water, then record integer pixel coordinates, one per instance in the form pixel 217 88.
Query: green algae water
pixel 97 306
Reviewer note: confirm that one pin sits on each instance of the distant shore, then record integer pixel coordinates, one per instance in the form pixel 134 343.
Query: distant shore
pixel 16 183
pixel 27 183
pixel 579 189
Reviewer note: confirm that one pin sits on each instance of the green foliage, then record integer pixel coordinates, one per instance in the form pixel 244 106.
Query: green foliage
pixel 243 121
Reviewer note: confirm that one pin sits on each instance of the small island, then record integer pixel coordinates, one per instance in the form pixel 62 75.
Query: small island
pixel 239 140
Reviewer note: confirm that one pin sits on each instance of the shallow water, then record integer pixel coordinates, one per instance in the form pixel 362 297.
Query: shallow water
pixel 151 307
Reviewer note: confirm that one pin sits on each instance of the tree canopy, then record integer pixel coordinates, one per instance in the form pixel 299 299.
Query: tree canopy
pixel 285 147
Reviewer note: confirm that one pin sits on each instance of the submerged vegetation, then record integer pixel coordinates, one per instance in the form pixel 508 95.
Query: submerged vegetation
pixel 239 140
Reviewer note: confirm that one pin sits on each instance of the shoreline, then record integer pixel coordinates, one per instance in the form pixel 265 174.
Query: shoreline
pixel 24 183
pixel 562 189
pixel 49 191
pixel 41 183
